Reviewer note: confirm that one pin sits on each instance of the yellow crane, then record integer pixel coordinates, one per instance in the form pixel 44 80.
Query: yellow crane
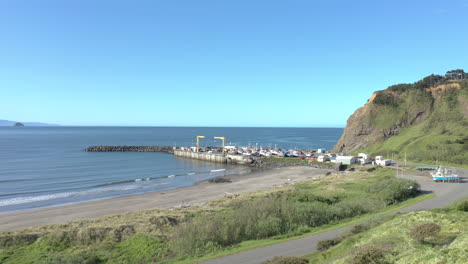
pixel 224 142
pixel 198 142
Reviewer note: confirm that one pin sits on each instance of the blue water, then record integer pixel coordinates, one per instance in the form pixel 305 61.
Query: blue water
pixel 45 166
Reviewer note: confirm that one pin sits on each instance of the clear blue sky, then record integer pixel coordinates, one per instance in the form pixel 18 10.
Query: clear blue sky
pixel 217 63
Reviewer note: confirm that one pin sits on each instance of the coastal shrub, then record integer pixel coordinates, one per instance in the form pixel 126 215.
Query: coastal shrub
pixel 91 235
pixel 429 81
pixel 425 230
pixel 287 260
pixel 307 197
pixel 400 87
pixel 140 249
pixel 383 98
pixel 70 259
pixel 269 226
pixel 368 254
pixel 17 239
pixel 282 213
pixel 358 228
pixel 463 206
pixel 392 191
pixel 122 232
pixel 326 244
pixel 164 221
pixel 260 219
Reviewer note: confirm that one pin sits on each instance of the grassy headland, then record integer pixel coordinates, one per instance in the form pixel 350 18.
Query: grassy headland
pixel 223 225
pixel 442 137
pixel 426 120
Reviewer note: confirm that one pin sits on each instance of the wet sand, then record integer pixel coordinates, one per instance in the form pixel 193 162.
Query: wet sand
pixel 194 195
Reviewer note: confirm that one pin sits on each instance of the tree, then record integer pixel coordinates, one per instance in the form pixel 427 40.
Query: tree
pixel 429 81
pixel 457 74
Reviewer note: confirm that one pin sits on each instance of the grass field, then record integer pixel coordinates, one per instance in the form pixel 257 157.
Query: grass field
pixel 392 236
pixel 224 226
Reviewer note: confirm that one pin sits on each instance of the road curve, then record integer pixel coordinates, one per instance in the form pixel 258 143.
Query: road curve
pixel 446 193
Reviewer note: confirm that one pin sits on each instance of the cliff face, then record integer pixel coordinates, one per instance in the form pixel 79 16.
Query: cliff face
pixel 435 107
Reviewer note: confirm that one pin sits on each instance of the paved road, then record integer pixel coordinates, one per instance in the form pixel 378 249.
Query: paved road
pixel 446 193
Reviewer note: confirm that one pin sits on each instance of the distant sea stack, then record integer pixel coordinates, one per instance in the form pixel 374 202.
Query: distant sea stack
pixel 423 121
pixel 18 124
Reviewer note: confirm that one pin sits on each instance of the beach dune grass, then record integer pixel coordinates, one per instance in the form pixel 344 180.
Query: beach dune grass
pixel 175 235
pixel 394 237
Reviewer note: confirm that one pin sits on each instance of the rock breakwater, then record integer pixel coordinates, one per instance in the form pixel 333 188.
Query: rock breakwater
pixel 163 149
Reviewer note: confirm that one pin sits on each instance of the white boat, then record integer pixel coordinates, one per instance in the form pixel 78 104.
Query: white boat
pixel 444 175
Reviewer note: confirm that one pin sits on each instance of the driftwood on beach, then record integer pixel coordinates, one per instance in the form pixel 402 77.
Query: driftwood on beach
pixel 164 149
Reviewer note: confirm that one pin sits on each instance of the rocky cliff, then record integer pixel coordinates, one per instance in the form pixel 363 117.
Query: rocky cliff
pixel 428 115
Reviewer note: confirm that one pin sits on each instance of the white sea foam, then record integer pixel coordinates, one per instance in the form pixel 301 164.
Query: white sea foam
pixel 45 197
pixel 191 173
pixel 171 176
pixel 217 170
pixel 31 199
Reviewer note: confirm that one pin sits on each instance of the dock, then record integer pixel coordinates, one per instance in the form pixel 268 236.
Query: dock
pixel 212 157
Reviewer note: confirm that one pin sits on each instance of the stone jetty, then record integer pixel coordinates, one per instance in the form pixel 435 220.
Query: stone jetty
pixel 164 149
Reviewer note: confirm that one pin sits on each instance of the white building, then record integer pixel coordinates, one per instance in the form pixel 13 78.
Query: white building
pixel 364 158
pixel 320 150
pixel 348 160
pixel 379 160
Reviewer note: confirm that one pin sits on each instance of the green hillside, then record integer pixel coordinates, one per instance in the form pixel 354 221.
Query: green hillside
pixel 426 120
pixel 442 137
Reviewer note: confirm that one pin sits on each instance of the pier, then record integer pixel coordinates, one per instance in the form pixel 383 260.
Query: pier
pixel 219 158
pixel 178 152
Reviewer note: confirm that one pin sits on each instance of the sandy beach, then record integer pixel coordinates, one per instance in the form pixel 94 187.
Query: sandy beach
pixel 194 195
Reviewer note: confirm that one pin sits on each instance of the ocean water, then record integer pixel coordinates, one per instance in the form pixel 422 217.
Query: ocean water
pixel 46 166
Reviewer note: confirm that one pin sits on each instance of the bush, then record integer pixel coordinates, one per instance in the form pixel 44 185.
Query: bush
pixel 368 254
pixel 140 249
pixel 70 259
pixel 422 231
pixel 383 98
pixel 429 81
pixel 326 244
pixel 287 260
pixel 392 191
pixel 358 228
pixel 281 213
pixel 463 206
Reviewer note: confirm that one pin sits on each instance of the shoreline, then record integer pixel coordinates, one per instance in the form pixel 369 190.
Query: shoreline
pixel 193 195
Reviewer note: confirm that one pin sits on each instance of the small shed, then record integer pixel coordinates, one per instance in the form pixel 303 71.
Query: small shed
pixel 348 160
pixel 379 160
